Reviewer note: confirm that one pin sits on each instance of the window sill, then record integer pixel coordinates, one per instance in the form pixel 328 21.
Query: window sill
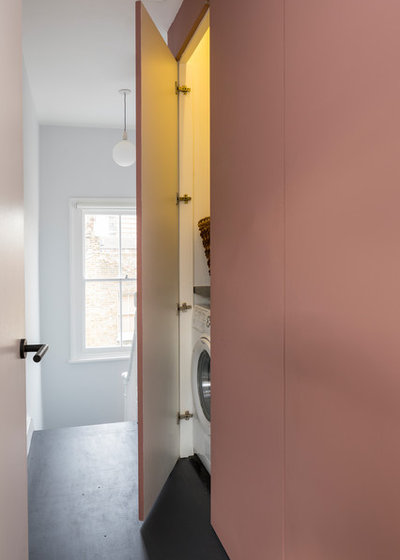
pixel 92 359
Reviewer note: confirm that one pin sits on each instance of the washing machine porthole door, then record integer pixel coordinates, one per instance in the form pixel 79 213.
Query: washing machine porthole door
pixel 204 383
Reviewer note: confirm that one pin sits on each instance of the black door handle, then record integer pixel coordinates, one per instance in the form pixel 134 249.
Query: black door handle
pixel 39 349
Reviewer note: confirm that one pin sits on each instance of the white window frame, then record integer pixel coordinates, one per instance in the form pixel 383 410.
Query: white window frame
pixel 78 208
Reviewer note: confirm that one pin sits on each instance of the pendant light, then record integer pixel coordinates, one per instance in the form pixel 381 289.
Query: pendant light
pixel 124 153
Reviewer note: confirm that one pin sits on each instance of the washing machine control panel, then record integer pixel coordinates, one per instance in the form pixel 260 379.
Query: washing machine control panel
pixel 201 319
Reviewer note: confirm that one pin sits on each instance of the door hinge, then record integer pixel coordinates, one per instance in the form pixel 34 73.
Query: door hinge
pixel 185 198
pixel 182 89
pixel 183 307
pixel 185 416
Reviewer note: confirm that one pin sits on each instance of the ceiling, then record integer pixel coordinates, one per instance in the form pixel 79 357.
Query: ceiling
pixel 79 53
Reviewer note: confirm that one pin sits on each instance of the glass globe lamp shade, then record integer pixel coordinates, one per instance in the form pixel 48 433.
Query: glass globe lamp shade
pixel 124 153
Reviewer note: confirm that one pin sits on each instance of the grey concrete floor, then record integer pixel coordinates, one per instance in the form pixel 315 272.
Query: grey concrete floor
pixel 83 501
pixel 83 494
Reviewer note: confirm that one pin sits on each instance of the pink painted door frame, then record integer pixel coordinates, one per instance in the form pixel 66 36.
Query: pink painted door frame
pixel 13 473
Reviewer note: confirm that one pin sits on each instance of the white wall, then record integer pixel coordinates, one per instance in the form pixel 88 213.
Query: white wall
pixel 31 241
pixel 198 78
pixel 74 162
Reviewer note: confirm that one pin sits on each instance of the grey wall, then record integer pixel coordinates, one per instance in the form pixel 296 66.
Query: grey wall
pixel 31 241
pixel 74 162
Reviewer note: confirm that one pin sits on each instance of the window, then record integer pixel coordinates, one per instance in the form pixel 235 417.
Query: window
pixel 103 278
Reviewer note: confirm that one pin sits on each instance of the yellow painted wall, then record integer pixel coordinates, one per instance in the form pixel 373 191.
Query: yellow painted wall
pixel 198 78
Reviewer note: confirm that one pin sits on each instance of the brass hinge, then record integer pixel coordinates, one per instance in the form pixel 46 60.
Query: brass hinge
pixel 183 307
pixel 182 89
pixel 186 416
pixel 185 198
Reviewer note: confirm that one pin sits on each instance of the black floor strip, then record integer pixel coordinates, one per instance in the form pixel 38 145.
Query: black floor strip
pixel 178 527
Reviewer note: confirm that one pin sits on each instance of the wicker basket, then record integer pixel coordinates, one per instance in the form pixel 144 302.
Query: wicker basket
pixel 204 227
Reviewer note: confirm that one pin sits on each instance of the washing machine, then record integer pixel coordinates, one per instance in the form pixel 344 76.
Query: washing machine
pixel 201 384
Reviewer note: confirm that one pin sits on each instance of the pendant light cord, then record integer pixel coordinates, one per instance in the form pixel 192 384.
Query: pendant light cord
pixel 124 111
pixel 124 151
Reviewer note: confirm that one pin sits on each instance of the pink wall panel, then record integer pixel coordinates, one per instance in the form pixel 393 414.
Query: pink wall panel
pixel 247 276
pixel 342 280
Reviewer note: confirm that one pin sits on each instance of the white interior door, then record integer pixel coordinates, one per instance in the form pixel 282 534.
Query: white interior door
pixel 13 483
pixel 158 260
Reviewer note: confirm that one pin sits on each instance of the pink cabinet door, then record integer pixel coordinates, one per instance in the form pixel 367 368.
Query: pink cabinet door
pixel 247 276
pixel 158 267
